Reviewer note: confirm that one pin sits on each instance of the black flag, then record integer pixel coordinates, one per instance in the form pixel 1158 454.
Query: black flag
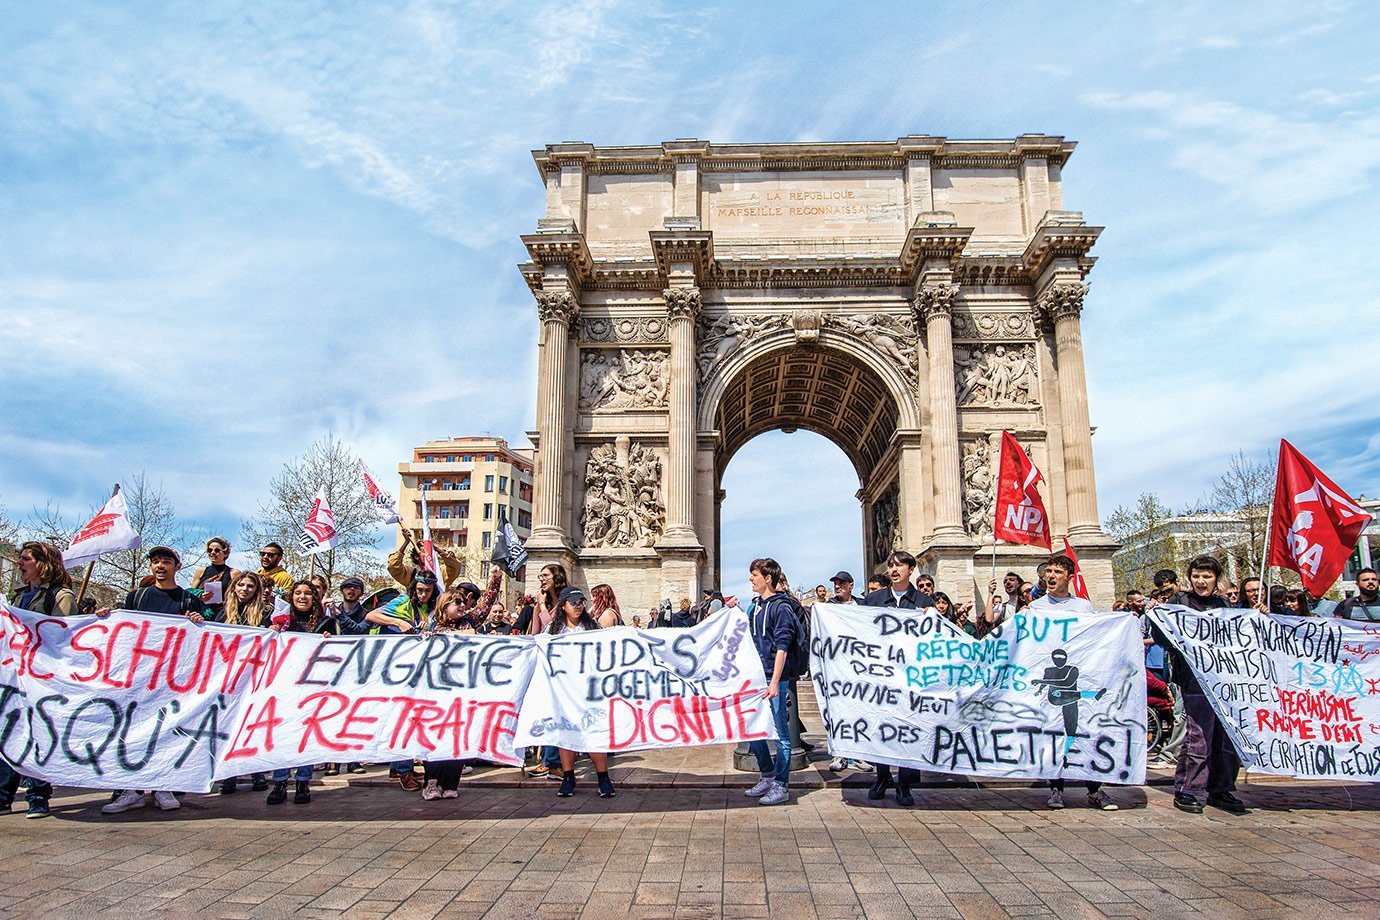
pixel 509 552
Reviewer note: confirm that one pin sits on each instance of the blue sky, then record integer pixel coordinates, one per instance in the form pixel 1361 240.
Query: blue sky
pixel 228 229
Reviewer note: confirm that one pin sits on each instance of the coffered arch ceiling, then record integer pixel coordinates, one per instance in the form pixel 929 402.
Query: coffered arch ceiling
pixel 820 390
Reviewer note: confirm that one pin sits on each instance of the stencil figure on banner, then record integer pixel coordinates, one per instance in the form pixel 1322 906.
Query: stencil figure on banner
pixel 620 689
pixel 901 595
pixel 412 613
pixel 551 581
pixel 1208 764
pixel 910 689
pixel 1061 681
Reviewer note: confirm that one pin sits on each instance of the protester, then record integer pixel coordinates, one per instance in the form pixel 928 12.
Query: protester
pixel 573 617
pixel 1231 594
pixel 215 571
pixel 347 619
pixel 1365 603
pixel 604 607
pixel 954 614
pixel 405 561
pixel 900 594
pixel 875 583
pixel 821 594
pixel 1002 606
pixel 1249 598
pixel 47 590
pixel 165 596
pixel 1206 772
pixel 1167 578
pixel 271 565
pixel 443 776
pixel 47 586
pixel 1062 686
pixel 1295 603
pixel 522 626
pixel 412 613
pixel 551 581
pixel 843 589
pixel 637 622
pixel 498 622
pixel 925 585
pixel 773 625
pixel 1027 594
pixel 305 615
pixel 684 618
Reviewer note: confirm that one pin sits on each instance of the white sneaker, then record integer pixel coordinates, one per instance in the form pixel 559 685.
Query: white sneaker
pixel 776 796
pixel 838 765
pixel 762 788
pixel 1056 799
pixel 863 766
pixel 467 769
pixel 123 802
pixel 432 792
pixel 166 801
pixel 451 794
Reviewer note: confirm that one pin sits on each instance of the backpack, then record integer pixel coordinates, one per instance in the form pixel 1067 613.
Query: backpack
pixel 798 661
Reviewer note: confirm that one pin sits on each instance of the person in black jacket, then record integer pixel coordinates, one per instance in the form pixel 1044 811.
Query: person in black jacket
pixel 1365 603
pixel 843 590
pixel 900 593
pixel 1208 763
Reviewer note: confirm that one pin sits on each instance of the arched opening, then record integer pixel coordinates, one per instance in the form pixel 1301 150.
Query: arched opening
pixel 792 497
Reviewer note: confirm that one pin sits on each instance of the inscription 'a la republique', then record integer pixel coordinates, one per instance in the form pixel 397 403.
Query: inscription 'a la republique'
pixel 847 205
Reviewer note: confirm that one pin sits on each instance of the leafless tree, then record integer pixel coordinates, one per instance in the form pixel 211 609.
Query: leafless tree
pixel 1146 542
pixel 1247 489
pixel 153 517
pixel 330 465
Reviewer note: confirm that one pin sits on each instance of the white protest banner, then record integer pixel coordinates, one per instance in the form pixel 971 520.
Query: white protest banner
pixel 625 689
pixel 138 700
pixel 107 532
pixel 1298 696
pixel 1040 697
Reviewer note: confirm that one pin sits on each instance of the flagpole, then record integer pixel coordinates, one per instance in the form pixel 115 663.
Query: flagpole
pixel 1269 526
pixel 90 566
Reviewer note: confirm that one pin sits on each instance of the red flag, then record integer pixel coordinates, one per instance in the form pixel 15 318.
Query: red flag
pixel 1315 525
pixel 1021 516
pixel 318 533
pixel 1077 585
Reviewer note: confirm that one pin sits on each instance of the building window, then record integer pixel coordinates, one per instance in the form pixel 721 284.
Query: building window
pixel 524 520
pixel 488 483
pixel 464 484
pixel 462 509
pixel 503 484
pixel 450 459
pixel 426 485
pixel 488 511
pixel 468 458
pixel 462 567
pixel 445 512
pixel 428 459
pixel 488 539
pixel 483 571
pixel 464 538
pixel 489 458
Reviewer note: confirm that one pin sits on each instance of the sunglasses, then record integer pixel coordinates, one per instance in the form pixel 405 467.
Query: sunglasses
pixel 576 603
pixel 269 555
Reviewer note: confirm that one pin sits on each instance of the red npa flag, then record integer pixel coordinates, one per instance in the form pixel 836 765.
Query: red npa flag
pixel 1021 516
pixel 1315 525
pixel 1077 585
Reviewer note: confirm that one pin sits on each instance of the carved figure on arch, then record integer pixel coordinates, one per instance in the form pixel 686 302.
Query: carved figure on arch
pixel 893 336
pixel 623 380
pixel 724 334
pixel 996 375
pixel 979 487
pixel 622 506
pixel 886 524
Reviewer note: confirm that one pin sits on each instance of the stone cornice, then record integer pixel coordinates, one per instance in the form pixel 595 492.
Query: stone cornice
pixel 1061 235
pixel 695 247
pixel 936 241
pixel 566 248
pixel 941 151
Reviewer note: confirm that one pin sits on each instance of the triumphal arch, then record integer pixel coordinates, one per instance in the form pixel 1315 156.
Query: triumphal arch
pixel 908 299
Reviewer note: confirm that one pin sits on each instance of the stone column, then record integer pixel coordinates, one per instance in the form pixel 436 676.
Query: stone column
pixel 683 310
pixel 1062 302
pixel 934 303
pixel 558 311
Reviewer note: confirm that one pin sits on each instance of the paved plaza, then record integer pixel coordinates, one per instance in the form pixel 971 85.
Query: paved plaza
pixel 515 850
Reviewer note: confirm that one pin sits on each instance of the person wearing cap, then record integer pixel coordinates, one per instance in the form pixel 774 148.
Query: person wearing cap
pixel 843 590
pixel 413 613
pixel 573 615
pixel 164 596
pixel 271 566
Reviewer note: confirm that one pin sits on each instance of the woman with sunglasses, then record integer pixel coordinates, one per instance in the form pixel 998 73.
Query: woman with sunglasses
pixel 571 617
pixel 217 570
pixel 305 615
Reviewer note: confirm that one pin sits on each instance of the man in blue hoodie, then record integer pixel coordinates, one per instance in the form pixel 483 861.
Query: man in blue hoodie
pixel 774 626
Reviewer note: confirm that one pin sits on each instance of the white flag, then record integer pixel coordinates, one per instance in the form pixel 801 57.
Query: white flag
pixel 108 531
pixel 318 533
pixel 384 503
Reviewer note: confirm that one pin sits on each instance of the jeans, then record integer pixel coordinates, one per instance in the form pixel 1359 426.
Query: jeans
pixel 1208 761
pixel 551 757
pixel 780 714
pixel 403 767
pixel 301 774
pixel 9 785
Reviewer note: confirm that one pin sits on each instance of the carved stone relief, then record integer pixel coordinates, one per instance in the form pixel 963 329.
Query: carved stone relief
pixel 722 335
pixel 623 506
pixel 990 326
pixel 891 336
pixel 979 486
pixel 886 524
pixel 999 376
pixel 624 329
pixel 624 379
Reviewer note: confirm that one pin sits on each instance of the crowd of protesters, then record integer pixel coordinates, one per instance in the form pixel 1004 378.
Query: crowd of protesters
pixel 271 598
